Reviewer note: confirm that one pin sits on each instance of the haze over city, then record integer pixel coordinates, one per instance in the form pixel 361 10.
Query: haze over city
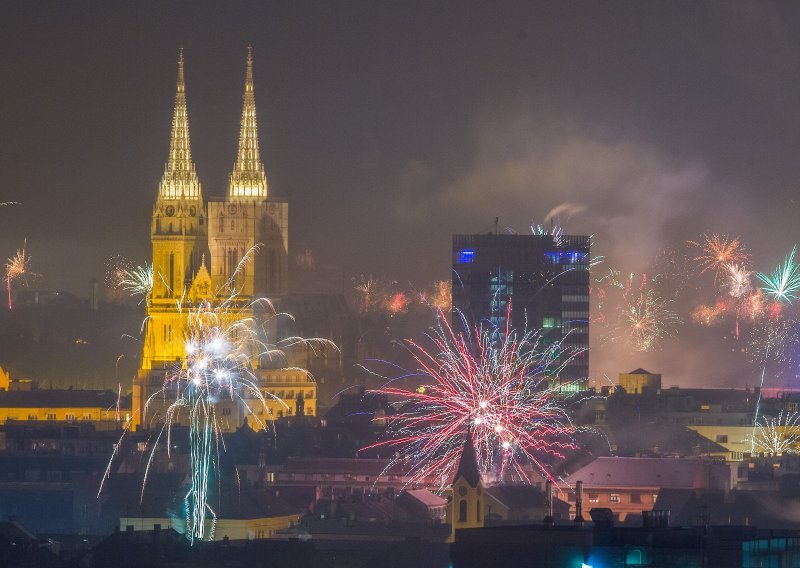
pixel 453 246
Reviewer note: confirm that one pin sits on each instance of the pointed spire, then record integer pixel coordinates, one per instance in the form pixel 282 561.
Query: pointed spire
pixel 468 463
pixel 248 179
pixel 180 178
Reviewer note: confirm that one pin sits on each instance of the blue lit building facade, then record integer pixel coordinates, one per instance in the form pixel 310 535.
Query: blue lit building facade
pixel 544 278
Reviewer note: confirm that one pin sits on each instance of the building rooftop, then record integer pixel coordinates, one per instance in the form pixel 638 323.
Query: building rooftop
pixel 642 472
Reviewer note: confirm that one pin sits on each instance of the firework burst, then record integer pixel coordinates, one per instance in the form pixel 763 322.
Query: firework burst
pixel 222 345
pixel 17 268
pixel 717 251
pixel 777 436
pixel 494 383
pixel 736 280
pixel 783 283
pixel 138 281
pixel 644 318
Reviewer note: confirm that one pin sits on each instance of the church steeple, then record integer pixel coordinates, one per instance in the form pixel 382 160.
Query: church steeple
pixel 248 179
pixel 180 178
pixel 465 507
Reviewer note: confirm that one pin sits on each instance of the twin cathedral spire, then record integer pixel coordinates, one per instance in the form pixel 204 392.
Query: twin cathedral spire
pixel 248 178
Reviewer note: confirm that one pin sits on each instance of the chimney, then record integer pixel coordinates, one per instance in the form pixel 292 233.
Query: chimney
pixel 548 500
pixel 94 300
pixel 578 504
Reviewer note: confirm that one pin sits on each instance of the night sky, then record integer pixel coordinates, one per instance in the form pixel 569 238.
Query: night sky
pixel 391 125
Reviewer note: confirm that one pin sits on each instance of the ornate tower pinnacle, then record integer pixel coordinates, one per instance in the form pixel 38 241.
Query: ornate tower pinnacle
pixel 248 179
pixel 180 178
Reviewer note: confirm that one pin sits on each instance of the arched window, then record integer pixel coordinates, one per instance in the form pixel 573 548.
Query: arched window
pixel 478 511
pixel 462 511
pixel 171 280
pixel 221 223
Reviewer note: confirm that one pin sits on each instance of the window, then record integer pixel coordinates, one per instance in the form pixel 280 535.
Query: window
pixel 636 498
pixel 478 511
pixel 52 416
pixel 462 511
pixel 226 411
pixel 722 438
pixel 594 498
pixel 551 322
pixel 614 498
pixel 466 256
pixel 87 416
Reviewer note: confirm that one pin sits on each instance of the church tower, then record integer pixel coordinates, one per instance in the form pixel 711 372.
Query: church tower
pixel 466 511
pixel 178 235
pixel 249 217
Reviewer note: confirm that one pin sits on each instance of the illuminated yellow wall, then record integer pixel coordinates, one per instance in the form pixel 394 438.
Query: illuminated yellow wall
pixel 234 529
pixel 72 414
pixel 735 439
pixel 634 383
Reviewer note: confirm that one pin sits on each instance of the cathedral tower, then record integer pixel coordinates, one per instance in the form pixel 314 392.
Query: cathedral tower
pixel 249 217
pixel 178 236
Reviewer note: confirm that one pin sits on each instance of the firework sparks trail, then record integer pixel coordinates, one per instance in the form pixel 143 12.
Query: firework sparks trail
pixel 737 280
pixel 491 381
pixel 777 436
pixel 373 293
pixel 17 267
pixel 442 296
pixel 138 281
pixel 717 251
pixel 222 345
pixel 555 231
pixel 783 283
pixel 644 317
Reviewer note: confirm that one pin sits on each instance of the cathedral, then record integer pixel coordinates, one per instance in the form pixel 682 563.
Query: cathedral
pixel 201 248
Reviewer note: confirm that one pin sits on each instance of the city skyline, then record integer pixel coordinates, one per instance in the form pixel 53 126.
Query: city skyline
pixel 388 129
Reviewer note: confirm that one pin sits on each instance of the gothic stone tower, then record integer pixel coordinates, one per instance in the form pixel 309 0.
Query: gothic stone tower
pixel 249 217
pixel 178 233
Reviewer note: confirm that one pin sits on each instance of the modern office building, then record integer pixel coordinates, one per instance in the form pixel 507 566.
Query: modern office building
pixel 529 282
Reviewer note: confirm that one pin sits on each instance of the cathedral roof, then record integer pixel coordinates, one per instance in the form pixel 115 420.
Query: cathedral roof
pixel 468 463
pixel 180 178
pixel 248 179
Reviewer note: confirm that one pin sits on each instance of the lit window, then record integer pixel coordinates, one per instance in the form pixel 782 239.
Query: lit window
pixel 614 498
pixel 68 417
pixel 466 256
pixel 594 498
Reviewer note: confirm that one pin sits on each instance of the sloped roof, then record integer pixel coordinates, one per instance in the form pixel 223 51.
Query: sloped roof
pixel 640 371
pixel 641 472
pixel 426 497
pixel 524 496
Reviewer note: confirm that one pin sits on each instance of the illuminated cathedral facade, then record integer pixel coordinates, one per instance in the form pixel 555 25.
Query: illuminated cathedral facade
pixel 203 249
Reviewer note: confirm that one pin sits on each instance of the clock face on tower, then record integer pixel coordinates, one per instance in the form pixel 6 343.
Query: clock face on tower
pixel 170 211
